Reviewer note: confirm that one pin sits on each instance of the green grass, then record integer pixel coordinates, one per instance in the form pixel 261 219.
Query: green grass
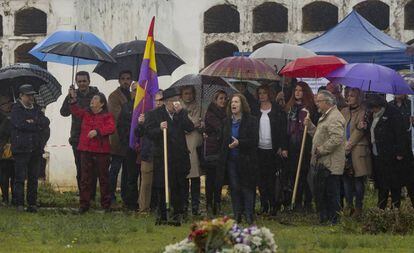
pixel 60 230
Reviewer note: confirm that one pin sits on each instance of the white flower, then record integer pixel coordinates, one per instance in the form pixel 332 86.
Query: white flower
pixel 257 241
pixel 185 246
pixel 241 248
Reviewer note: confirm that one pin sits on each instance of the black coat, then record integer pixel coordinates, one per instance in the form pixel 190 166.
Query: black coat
pixel 214 120
pixel 248 140
pixel 124 127
pixel 83 101
pixel 5 131
pixel 178 154
pixel 389 141
pixel 28 137
pixel 278 126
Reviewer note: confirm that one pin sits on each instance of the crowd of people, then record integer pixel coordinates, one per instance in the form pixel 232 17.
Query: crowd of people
pixel 254 143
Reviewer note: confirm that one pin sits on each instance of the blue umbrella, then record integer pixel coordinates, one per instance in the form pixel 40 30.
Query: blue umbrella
pixel 68 36
pixel 370 77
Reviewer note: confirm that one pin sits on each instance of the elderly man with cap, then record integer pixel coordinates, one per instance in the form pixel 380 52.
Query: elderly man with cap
pixel 174 118
pixel 28 124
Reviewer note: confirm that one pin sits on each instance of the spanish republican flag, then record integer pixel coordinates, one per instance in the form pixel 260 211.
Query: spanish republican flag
pixel 147 85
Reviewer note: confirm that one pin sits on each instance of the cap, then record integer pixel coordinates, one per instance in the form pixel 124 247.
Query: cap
pixel 170 92
pixel 27 89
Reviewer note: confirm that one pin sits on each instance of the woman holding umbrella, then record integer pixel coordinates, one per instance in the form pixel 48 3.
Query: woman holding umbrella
pixel 358 155
pixel 97 125
pixel 300 104
pixel 239 156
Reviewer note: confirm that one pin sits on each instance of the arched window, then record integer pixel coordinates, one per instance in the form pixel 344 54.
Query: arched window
pixel 319 16
pixel 270 17
pixel 21 55
pixel 263 43
pixel 409 16
pixel 30 21
pixel 222 19
pixel 376 12
pixel 218 50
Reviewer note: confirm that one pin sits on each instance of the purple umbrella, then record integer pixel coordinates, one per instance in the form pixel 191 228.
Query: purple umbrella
pixel 370 77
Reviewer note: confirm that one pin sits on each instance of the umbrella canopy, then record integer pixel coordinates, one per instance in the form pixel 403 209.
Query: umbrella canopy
pixel 312 67
pixel 278 54
pixel 78 50
pixel 240 67
pixel 205 86
pixel 370 77
pixel 129 55
pixel 48 88
pixel 67 36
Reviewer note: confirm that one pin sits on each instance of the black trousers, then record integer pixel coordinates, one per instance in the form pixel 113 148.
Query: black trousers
pixel 77 156
pixel 267 178
pixel 214 185
pixel 6 178
pixel 193 189
pixel 133 171
pixel 177 185
pixel 26 166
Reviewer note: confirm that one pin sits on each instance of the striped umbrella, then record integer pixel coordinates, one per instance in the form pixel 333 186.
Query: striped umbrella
pixel 240 67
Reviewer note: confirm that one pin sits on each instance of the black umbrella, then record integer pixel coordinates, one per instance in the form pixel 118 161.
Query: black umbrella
pixel 205 87
pixel 129 57
pixel 78 50
pixel 48 88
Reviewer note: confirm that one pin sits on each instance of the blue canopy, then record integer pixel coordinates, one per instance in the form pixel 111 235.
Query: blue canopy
pixel 357 41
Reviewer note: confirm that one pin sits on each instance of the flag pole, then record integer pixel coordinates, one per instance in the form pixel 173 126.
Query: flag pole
pixel 167 192
pixel 145 94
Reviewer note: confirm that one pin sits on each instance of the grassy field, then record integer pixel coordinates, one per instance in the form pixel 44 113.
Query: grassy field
pixel 61 230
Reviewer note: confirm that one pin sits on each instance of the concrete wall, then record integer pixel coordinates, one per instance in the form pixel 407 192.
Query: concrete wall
pixel 179 25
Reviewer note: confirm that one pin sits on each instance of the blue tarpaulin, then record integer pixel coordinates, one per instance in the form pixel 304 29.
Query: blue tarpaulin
pixel 358 41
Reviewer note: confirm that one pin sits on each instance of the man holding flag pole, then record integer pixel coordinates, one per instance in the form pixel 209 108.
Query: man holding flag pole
pixel 169 119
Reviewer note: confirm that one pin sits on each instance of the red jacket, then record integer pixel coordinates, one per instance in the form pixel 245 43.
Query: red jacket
pixel 102 122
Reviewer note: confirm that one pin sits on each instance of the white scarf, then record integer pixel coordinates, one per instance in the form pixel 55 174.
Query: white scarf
pixel 376 118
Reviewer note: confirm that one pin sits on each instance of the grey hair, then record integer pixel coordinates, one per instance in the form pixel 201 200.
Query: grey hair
pixel 330 98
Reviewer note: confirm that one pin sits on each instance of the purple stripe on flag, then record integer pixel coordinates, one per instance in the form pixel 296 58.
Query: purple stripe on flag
pixel 148 81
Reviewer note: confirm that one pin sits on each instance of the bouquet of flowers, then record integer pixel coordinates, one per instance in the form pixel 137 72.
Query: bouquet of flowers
pixel 223 235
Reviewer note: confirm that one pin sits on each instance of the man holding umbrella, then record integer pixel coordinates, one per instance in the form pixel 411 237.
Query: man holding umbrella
pixel 174 118
pixel 84 94
pixel 28 124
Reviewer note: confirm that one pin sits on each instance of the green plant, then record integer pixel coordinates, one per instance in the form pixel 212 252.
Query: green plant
pixel 395 221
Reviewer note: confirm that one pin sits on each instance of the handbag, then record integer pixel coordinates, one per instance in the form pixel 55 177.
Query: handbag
pixel 349 168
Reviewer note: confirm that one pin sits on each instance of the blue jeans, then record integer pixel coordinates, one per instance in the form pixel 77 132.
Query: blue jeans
pixel 116 163
pixel 354 187
pixel 330 205
pixel 242 197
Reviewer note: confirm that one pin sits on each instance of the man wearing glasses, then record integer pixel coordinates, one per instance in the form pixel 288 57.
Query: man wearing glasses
pixel 28 123
pixel 328 155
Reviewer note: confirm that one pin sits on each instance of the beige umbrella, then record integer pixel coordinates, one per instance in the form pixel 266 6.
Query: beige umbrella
pixel 278 54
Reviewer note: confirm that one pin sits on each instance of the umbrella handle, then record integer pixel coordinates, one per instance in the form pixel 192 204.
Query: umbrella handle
pixel 167 192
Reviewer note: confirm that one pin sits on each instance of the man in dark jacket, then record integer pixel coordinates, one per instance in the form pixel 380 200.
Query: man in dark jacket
pixel 84 94
pixel 6 159
pixel 172 117
pixel 131 166
pixel 28 124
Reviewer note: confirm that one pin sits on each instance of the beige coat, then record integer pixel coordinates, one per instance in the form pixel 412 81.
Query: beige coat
pixel 329 139
pixel 360 149
pixel 194 139
pixel 115 101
